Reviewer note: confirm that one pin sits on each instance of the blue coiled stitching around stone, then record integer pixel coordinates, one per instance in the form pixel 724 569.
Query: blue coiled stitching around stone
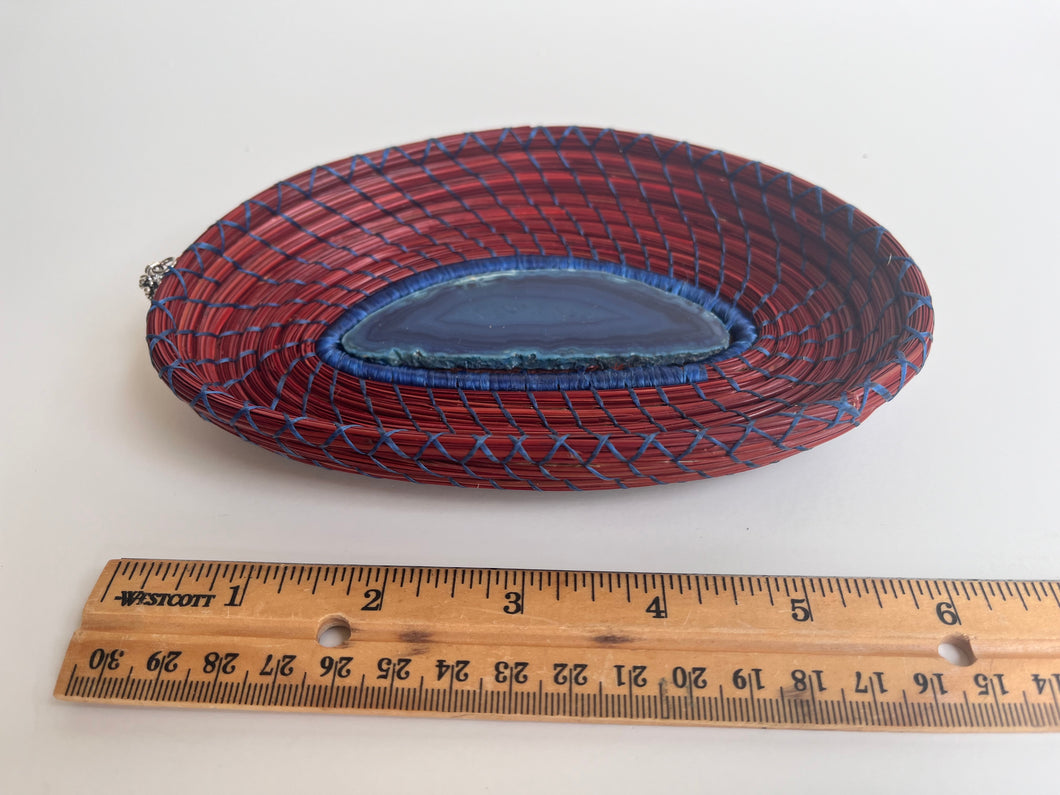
pixel 330 348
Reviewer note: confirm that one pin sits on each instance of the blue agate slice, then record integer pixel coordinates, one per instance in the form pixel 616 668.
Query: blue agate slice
pixel 537 319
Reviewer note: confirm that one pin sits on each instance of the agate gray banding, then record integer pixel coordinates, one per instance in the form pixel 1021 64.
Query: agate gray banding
pixel 537 320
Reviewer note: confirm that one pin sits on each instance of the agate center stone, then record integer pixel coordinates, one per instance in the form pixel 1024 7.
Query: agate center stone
pixel 537 319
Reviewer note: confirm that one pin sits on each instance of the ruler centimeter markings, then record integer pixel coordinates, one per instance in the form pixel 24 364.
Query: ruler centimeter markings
pixel 661 648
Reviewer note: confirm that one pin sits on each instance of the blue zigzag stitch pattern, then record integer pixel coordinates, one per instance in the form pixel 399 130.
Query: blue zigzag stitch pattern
pixel 504 448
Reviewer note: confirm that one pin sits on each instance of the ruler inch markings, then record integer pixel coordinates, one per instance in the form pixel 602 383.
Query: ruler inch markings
pixel 176 633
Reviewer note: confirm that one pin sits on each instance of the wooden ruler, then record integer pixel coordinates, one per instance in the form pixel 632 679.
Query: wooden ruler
pixel 760 651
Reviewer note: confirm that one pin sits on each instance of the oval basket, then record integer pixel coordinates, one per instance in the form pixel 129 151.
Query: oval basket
pixel 841 315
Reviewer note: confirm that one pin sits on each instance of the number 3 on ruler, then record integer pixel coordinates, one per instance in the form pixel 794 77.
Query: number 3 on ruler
pixel 515 603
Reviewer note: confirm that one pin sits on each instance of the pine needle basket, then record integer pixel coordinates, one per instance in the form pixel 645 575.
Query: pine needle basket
pixel 829 316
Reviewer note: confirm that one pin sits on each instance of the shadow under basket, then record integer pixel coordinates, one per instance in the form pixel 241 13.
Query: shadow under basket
pixel 540 308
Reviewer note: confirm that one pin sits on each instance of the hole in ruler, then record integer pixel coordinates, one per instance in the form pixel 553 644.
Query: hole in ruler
pixel 334 632
pixel 957 650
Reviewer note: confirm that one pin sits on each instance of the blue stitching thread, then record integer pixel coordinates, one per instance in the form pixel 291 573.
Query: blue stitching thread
pixel 329 346
pixel 841 411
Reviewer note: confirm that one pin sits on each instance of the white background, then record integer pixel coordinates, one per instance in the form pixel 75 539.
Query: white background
pixel 127 128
